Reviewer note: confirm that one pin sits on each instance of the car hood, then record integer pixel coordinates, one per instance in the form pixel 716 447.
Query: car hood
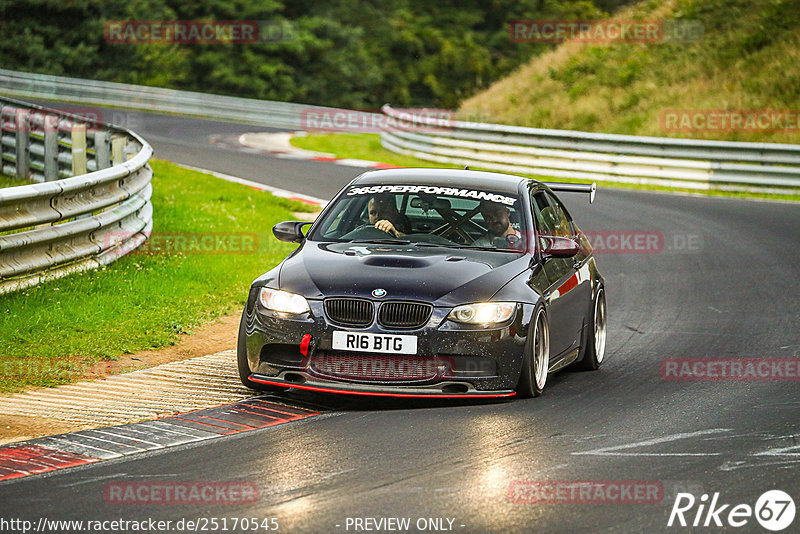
pixel 442 276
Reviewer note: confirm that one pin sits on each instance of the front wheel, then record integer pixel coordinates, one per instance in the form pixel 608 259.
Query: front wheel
pixel 596 342
pixel 244 366
pixel 536 362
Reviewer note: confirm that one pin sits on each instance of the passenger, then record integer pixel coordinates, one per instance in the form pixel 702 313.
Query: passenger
pixel 498 223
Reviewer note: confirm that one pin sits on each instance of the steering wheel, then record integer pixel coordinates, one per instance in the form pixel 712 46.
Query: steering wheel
pixel 511 241
pixel 366 231
pixel 514 241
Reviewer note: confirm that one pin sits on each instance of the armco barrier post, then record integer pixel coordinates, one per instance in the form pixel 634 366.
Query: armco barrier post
pixel 102 150
pixel 22 124
pixel 117 147
pixel 50 147
pixel 78 149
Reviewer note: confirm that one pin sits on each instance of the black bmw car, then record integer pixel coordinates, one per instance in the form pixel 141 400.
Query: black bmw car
pixel 428 283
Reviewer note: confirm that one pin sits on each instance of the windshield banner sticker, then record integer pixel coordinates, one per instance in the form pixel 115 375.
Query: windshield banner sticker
pixel 433 190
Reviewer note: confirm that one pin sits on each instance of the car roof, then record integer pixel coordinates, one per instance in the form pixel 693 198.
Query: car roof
pixel 494 181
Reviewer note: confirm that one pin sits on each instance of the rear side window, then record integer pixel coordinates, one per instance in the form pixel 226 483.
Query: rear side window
pixel 550 216
pixel 542 214
pixel 557 217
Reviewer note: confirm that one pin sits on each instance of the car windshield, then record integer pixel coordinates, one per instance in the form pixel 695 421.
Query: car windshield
pixel 425 216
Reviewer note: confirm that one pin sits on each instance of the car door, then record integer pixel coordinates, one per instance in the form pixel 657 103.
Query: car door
pixel 574 287
pixel 557 272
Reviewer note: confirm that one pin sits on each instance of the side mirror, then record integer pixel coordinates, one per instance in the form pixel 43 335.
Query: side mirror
pixel 559 247
pixel 290 231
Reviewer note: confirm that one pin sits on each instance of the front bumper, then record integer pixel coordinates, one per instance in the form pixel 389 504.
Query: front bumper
pixel 485 361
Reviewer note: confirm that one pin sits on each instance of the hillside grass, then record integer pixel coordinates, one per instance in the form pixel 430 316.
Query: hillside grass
pixel 748 59
pixel 50 334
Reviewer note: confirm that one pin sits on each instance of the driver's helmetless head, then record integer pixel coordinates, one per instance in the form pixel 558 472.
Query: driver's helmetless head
pixel 380 208
pixel 496 218
pixel 372 209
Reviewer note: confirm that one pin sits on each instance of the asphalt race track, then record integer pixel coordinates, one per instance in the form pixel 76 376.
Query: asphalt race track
pixel 721 282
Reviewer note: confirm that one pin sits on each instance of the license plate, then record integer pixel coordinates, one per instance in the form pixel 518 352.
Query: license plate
pixel 367 342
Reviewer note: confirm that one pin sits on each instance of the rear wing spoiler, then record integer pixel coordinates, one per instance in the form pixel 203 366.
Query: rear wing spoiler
pixel 575 188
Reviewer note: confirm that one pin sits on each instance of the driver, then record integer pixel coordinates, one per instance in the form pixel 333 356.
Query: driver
pixel 384 215
pixel 498 224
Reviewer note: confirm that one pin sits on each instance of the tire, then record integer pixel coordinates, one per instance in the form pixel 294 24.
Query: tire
pixel 536 361
pixel 244 366
pixel 595 351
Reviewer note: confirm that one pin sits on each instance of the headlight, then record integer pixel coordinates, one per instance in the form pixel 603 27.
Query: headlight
pixel 483 312
pixel 283 301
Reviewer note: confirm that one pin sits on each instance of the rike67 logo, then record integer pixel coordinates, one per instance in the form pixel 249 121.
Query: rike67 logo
pixel 774 510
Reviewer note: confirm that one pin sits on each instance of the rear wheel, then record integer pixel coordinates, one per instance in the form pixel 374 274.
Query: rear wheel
pixel 244 366
pixel 596 343
pixel 537 358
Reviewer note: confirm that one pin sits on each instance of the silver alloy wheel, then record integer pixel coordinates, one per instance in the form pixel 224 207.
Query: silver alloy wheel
pixel 541 350
pixel 600 326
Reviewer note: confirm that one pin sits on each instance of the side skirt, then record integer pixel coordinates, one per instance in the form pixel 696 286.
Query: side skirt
pixel 565 361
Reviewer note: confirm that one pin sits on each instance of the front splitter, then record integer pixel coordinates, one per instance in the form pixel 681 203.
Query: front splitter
pixel 378 391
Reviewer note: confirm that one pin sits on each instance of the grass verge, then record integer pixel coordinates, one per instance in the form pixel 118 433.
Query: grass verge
pixel 368 146
pixel 8 181
pixel 359 146
pixel 52 333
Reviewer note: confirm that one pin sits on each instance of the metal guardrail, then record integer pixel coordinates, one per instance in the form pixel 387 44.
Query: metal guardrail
pixel 685 163
pixel 209 106
pixel 673 162
pixel 71 220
